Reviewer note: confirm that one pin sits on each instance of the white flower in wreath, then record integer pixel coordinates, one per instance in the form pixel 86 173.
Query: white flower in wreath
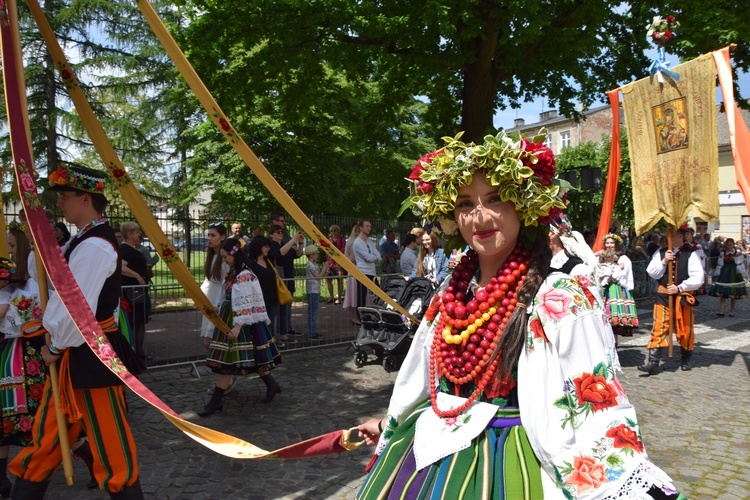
pixel 449 227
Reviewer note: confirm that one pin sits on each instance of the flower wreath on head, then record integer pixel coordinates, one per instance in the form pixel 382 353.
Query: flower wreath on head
pixel 613 236
pixel 523 171
pixel 7 269
pixel 15 225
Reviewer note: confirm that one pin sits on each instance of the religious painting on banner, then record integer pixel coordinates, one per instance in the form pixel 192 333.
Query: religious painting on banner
pixel 673 145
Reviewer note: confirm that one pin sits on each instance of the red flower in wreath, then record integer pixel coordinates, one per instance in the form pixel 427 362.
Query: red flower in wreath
pixel 544 168
pixel 224 124
pixel 117 173
pixel 417 169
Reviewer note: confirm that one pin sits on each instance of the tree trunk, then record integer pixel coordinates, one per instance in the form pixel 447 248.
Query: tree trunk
pixel 478 95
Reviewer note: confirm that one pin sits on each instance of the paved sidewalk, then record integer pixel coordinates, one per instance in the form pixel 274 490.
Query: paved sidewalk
pixel 696 425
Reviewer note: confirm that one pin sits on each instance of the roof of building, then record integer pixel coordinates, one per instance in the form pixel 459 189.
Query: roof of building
pixel 723 128
pixel 556 119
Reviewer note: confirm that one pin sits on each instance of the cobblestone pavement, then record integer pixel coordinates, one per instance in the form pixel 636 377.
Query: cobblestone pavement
pixel 696 424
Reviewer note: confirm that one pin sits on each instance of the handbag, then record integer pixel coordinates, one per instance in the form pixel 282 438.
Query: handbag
pixel 283 295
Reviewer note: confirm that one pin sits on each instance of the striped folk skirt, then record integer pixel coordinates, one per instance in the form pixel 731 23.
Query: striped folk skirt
pixel 620 307
pixel 730 284
pixel 253 351
pixel 499 464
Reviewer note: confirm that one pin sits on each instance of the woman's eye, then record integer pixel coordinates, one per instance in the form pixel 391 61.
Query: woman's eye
pixel 464 204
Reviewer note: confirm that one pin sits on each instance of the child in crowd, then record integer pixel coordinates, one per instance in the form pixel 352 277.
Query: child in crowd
pixel 313 273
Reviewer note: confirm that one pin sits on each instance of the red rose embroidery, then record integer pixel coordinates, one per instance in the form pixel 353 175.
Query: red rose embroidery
pixel 25 424
pixel 167 252
pixel 587 474
pixel 33 367
pixel 625 437
pixel 594 389
pixel 66 74
pixel 7 427
pixel 323 243
pixel 117 173
pixel 224 124
pixel 106 352
pixel 36 391
pixel 538 330
pixel 27 183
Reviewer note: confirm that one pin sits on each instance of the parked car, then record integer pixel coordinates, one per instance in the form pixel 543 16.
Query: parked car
pixel 195 244
pixel 146 243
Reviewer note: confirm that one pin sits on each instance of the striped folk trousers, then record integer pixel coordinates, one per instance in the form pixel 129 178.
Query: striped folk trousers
pixel 105 422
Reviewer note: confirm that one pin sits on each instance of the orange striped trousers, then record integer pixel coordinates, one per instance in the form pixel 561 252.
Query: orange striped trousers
pixel 105 422
pixel 683 326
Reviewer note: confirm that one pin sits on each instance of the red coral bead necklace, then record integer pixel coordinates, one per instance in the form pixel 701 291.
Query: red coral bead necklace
pixel 469 355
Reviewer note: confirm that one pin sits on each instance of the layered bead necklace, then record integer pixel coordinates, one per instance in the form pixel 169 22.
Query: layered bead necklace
pixel 467 334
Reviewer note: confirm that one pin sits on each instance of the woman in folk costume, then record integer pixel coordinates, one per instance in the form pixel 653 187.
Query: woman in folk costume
pixel 730 281
pixel 22 369
pixel 248 347
pixel 214 270
pixel 615 277
pixel 506 341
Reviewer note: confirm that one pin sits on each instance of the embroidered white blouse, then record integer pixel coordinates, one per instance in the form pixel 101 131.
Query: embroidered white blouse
pixel 578 419
pixel 23 306
pixel 248 306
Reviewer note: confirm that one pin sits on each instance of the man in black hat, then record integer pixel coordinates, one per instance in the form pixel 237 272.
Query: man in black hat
pixel 687 276
pixel 93 258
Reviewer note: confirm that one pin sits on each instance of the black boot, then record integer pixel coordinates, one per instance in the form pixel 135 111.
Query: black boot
pixel 216 403
pixel 132 492
pixel 652 366
pixel 83 453
pixel 272 388
pixel 686 355
pixel 28 490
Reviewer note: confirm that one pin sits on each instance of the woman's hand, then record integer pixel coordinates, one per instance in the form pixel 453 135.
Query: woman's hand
pixel 235 332
pixel 370 431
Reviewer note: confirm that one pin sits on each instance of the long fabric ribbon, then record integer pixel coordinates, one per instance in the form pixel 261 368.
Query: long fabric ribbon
pixel 122 180
pixel 247 155
pixel 739 135
pixel 613 172
pixel 72 297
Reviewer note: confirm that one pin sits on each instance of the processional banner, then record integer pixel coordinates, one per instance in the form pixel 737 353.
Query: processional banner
pixel 673 145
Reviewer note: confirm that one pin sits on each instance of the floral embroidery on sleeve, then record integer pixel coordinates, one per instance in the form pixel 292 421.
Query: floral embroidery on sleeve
pixel 589 393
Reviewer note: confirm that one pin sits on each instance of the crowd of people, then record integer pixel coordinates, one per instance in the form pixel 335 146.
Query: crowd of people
pixel 488 337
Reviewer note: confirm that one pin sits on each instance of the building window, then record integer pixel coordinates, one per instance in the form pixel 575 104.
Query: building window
pixel 564 139
pixel 548 141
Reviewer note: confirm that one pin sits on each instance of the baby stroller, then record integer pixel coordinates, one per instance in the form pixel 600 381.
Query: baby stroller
pixel 385 330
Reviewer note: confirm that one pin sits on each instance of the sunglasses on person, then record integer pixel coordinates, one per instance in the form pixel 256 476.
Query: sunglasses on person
pixel 215 224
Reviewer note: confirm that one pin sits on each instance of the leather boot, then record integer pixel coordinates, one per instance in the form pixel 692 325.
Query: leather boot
pixel 686 355
pixel 83 453
pixel 272 388
pixel 652 366
pixel 215 404
pixel 132 492
pixel 28 490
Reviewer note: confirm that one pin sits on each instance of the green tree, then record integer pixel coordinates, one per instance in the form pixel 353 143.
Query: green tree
pixel 584 207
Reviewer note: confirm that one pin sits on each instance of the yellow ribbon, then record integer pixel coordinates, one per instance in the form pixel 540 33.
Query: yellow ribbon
pixel 252 161
pixel 121 178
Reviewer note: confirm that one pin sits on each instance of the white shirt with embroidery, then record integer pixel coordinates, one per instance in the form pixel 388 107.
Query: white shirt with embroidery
pixel 576 415
pixel 578 419
pixel 213 289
